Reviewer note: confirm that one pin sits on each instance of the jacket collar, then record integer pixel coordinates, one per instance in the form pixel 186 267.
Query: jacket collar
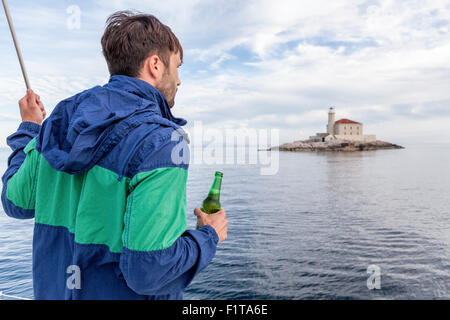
pixel 147 92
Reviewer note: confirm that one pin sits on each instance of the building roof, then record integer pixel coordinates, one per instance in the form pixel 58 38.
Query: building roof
pixel 342 121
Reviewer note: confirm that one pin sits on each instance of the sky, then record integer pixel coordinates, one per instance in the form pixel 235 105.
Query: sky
pixel 256 64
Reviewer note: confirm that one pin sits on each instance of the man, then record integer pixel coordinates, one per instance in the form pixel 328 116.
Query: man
pixel 102 180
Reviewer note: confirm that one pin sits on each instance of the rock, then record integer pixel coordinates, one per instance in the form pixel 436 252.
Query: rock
pixel 346 146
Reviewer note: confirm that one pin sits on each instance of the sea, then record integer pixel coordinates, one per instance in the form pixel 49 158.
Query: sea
pixel 330 225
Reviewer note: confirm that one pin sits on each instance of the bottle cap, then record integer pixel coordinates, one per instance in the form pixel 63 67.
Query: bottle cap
pixel 218 173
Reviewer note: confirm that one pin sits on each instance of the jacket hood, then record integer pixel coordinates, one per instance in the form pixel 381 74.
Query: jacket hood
pixel 83 128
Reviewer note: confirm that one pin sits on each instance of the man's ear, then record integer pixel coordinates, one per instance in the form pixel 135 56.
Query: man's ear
pixel 153 64
pixel 152 71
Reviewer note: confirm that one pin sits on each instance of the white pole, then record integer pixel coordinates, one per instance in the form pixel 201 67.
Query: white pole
pixel 16 44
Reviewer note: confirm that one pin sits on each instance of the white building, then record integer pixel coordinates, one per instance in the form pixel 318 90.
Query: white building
pixel 343 129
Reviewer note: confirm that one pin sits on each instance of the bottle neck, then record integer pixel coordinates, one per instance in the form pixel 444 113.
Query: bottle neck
pixel 214 192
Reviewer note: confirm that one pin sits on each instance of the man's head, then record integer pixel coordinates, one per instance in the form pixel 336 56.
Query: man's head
pixel 139 45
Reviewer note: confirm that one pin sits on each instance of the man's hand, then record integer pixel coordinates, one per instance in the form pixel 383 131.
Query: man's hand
pixel 31 108
pixel 216 220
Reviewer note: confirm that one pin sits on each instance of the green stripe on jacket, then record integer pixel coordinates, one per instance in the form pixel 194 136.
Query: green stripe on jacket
pixel 145 213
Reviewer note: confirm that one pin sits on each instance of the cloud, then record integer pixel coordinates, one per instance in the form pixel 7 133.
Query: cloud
pixel 367 62
pixel 263 63
pixel 216 64
pixel 8 117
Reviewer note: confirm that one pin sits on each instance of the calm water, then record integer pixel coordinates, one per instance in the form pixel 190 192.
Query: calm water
pixel 311 230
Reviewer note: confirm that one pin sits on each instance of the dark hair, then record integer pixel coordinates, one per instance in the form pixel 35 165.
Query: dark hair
pixel 131 37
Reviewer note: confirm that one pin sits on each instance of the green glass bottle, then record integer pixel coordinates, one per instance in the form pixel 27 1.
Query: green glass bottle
pixel 212 202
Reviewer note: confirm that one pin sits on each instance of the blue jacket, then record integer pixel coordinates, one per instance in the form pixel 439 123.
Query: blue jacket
pixel 105 179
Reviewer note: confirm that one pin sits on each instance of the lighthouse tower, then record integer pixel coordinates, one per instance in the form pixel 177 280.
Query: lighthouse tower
pixel 330 126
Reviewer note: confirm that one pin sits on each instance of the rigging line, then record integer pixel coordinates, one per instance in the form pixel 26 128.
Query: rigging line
pixel 11 296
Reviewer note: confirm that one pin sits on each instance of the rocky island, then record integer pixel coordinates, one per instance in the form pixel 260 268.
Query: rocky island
pixel 341 135
pixel 340 145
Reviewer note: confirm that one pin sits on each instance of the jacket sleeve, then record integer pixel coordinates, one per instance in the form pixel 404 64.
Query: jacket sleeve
pixel 159 255
pixel 18 193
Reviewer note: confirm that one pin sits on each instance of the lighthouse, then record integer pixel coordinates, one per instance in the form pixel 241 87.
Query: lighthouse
pixel 342 130
pixel 330 126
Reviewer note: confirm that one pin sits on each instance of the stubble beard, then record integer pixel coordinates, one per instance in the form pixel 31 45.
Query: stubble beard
pixel 168 90
pixel 171 102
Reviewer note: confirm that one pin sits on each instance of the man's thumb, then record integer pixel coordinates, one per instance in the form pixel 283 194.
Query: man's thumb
pixel 30 96
pixel 198 212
